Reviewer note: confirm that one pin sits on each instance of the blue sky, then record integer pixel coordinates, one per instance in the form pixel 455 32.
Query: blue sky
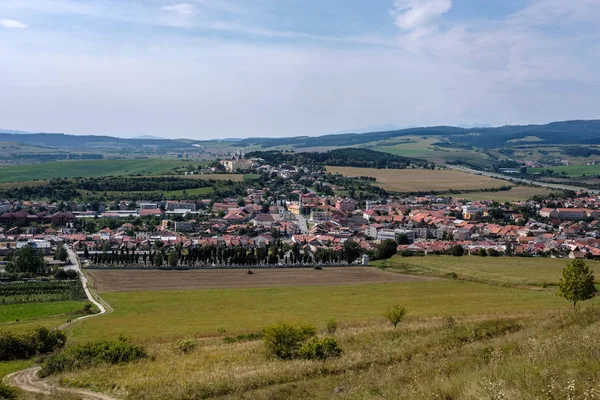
pixel 235 68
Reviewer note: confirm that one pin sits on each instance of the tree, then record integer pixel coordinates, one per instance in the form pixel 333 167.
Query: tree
pixel 158 259
pixel 351 250
pixel 61 253
pixel 173 258
pixel 577 282
pixel 386 249
pixel 395 314
pixel 29 261
pixel 482 252
pixel 401 238
pixel 457 251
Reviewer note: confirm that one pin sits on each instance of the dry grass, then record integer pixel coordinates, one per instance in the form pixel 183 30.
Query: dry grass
pixel 517 193
pixel 546 356
pixel 414 180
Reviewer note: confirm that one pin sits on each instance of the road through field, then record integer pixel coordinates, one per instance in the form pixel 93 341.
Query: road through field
pixel 28 379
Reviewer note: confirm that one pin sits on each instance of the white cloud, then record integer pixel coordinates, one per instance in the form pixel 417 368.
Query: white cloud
pixel 11 23
pixel 182 9
pixel 419 14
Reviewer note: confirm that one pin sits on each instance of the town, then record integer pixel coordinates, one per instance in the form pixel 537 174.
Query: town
pixel 297 209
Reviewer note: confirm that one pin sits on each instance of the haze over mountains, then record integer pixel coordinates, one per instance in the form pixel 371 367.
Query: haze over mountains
pixel 564 132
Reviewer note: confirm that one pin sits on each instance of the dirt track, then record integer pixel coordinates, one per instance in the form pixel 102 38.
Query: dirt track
pixel 152 280
pixel 29 381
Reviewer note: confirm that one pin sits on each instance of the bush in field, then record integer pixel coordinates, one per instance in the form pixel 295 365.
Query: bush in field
pixel 63 275
pixel 320 349
pixel 577 282
pixel 22 347
pixel 7 392
pixel 331 326
pixel 283 340
pixel 93 353
pixel 186 346
pixel 395 314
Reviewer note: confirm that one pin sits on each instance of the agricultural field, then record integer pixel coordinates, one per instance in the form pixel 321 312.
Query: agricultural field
pixel 162 315
pixel 425 148
pixel 87 169
pixel 516 193
pixel 572 171
pixel 414 180
pixel 22 317
pixel 497 270
pixel 40 292
pixel 156 280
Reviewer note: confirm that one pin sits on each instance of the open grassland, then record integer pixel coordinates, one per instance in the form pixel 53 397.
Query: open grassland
pixel 151 280
pixel 517 193
pixel 160 315
pixel 546 355
pixel 498 270
pixel 87 169
pixel 216 177
pixel 573 171
pixel 415 180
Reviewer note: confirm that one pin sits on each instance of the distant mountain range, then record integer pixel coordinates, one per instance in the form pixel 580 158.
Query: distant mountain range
pixel 565 132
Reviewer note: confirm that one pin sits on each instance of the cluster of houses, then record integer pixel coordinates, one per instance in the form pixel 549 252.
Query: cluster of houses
pixel 424 225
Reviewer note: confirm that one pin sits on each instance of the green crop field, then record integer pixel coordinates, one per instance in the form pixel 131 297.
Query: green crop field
pixel 502 270
pixel 573 171
pixel 172 314
pixel 87 169
pixel 19 317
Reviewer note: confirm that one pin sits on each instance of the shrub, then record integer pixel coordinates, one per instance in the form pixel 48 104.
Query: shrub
pixel 93 353
pixel 331 326
pixel 245 337
pixel 87 308
pixel 395 314
pixel 283 340
pixel 38 341
pixel 186 346
pixel 320 349
pixel 7 392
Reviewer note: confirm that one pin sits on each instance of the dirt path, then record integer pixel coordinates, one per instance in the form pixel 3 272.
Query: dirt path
pixel 28 380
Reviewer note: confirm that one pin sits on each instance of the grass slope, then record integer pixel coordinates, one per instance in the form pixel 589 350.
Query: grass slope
pixel 87 169
pixel 573 171
pixel 548 355
pixel 160 315
pixel 498 270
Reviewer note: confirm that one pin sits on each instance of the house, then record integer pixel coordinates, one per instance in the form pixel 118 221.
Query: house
pixel 345 205
pixel 548 213
pixel 184 226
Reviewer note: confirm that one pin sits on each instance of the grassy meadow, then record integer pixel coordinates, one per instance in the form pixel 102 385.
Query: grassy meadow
pixel 497 270
pixel 22 317
pixel 151 316
pixel 87 169
pixel 546 355
pixel 414 180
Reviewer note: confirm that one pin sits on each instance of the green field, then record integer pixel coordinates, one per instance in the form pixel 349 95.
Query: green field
pixel 501 270
pixel 155 315
pixel 32 314
pixel 573 171
pixel 88 169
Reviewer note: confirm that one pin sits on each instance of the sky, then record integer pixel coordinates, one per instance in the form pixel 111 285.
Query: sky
pixel 206 69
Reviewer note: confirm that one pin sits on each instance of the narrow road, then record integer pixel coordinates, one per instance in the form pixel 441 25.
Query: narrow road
pixel 521 180
pixel 28 380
